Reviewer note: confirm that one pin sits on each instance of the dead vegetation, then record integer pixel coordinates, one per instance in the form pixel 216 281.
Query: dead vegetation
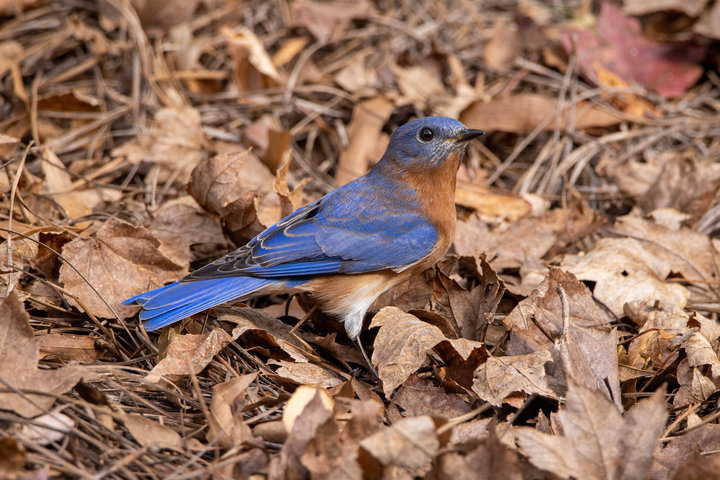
pixel 572 331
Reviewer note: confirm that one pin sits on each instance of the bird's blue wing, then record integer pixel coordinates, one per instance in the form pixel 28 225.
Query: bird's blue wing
pixel 354 229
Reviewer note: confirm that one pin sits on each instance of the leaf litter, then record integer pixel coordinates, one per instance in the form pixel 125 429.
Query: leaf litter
pixel 571 331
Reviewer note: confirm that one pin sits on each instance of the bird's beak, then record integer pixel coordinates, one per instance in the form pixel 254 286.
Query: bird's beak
pixel 468 135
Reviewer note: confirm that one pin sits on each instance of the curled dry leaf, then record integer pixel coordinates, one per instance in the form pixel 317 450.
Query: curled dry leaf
pixel 19 365
pixel 253 67
pixel 188 354
pixel 597 441
pixel 120 260
pixel 229 184
pixel 419 396
pixel 226 426
pixel 258 330
pixel 307 374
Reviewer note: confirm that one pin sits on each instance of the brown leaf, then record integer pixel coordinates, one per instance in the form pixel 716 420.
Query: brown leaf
pixel 226 425
pixel 181 223
pixel 69 347
pixel 598 443
pixel 674 457
pixel 418 396
pixel 258 330
pixel 491 206
pixel 490 460
pixel 229 185
pixel 150 433
pixel 591 344
pixel 325 18
pixel 499 377
pixel 523 112
pixel 19 365
pixel 418 85
pixel 410 443
pixel 307 374
pixel 504 45
pixel 623 271
pixel 253 68
pixel 401 345
pixel 172 144
pixel 120 260
pixel 188 354
pixel 364 139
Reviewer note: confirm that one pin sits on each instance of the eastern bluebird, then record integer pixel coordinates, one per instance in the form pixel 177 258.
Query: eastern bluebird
pixel 346 248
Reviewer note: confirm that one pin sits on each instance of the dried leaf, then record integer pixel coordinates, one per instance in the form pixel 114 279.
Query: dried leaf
pixel 69 347
pixel 364 135
pixel 188 354
pixel 226 425
pixel 667 69
pixel 401 345
pixel 418 396
pixel 411 443
pixel 229 185
pixel 325 18
pixel 523 112
pixel 150 433
pixel 120 260
pixel 499 377
pixel 19 365
pixel 598 443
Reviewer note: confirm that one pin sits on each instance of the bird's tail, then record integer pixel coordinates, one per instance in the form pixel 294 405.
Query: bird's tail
pixel 176 301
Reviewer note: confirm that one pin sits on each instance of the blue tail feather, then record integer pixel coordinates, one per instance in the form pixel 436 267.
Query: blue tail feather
pixel 176 301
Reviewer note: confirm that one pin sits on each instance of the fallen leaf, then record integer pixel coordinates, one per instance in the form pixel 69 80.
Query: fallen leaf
pixel 491 207
pixel 253 68
pixel 536 324
pixel 490 460
pixel 188 354
pixel 410 442
pixel 401 345
pixel 616 43
pixel 172 145
pixel 419 396
pixel 673 457
pixel 119 261
pixel 504 45
pixel 624 270
pixel 364 135
pixel 258 330
pixel 19 365
pixel 325 18
pixel 181 223
pixel 418 85
pixel 598 442
pixel 307 374
pixel 226 426
pixel 499 377
pixel 150 433
pixel 229 185
pixel 523 112
pixel 69 347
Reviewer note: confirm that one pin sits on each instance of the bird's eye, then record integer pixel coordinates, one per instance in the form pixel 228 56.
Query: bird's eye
pixel 426 134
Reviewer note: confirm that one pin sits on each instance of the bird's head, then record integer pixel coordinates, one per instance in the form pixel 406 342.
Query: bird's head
pixel 427 143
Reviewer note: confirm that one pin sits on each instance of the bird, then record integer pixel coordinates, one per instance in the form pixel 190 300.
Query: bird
pixel 347 248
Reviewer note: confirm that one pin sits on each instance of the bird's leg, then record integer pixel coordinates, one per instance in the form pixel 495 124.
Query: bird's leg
pixel 358 342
